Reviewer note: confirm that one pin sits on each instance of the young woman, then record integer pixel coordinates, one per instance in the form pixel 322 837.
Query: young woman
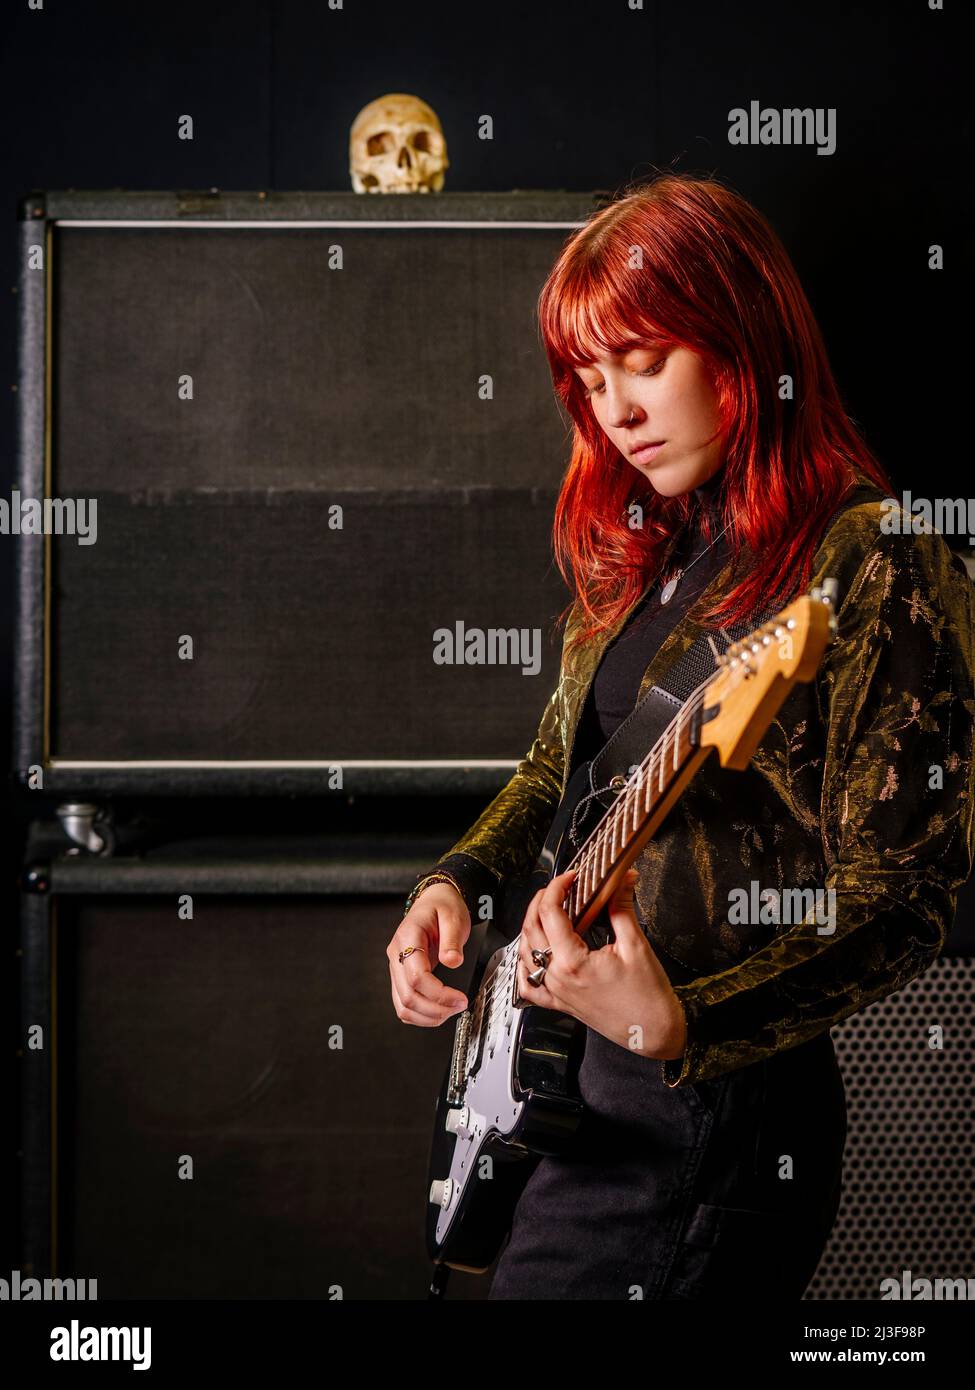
pixel 714 476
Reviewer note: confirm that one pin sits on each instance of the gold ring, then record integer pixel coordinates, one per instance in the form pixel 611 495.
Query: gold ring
pixel 408 952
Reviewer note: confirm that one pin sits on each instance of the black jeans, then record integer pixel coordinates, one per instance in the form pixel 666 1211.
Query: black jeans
pixel 724 1189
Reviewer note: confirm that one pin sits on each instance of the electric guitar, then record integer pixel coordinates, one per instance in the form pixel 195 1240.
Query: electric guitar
pixel 510 1091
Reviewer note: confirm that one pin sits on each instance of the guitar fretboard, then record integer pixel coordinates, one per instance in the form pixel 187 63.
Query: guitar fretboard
pixel 634 806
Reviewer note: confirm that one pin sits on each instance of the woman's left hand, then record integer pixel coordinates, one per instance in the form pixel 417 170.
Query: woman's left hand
pixel 620 991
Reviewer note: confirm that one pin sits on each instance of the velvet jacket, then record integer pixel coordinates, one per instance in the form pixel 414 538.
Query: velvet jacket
pixel 863 785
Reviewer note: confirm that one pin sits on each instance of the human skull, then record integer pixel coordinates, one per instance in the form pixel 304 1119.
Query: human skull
pixel 397 145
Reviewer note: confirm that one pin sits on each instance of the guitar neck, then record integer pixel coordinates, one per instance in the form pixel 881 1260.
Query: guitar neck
pixel 754 678
pixel 635 814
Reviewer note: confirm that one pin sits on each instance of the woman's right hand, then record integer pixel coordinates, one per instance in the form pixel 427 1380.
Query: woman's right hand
pixel 437 926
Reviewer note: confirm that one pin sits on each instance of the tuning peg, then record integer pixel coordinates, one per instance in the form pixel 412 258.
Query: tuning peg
pixel 825 592
pixel 828 595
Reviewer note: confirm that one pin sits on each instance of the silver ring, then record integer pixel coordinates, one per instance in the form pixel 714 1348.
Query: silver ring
pixel 541 957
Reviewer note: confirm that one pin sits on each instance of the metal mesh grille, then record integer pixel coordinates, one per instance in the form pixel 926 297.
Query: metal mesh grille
pixel 909 1165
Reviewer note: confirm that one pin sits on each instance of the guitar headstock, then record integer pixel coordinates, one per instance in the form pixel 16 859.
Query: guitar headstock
pixel 757 673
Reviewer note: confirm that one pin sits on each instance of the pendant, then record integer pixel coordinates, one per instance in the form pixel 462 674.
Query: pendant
pixel 667 593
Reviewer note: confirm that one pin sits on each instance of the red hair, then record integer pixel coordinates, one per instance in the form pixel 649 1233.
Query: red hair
pixel 683 261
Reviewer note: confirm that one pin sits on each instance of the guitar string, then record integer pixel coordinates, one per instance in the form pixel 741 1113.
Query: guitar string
pixel 690 706
pixel 695 700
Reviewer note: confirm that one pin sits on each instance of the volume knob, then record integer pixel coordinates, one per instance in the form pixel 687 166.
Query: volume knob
pixel 441 1190
pixel 458 1122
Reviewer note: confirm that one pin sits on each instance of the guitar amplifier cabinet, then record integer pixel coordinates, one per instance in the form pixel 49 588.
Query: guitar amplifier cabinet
pixel 294 439
pixel 226 1106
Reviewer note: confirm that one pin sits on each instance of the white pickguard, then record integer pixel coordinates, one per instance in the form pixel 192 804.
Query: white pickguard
pixel 488 1102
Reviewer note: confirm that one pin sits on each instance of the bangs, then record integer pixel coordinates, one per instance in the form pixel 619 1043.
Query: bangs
pixel 592 316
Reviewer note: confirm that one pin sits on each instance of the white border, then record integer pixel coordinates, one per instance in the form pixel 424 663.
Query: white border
pixel 353 222
pixel 244 763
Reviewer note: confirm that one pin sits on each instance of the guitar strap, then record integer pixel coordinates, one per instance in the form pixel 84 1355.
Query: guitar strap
pixel 632 740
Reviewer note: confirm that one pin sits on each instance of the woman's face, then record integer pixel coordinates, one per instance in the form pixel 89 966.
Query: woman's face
pixel 658 396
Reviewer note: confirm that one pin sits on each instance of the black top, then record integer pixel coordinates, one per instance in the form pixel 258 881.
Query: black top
pixel 616 684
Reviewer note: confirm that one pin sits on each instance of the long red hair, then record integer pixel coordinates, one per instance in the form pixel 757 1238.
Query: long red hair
pixel 685 261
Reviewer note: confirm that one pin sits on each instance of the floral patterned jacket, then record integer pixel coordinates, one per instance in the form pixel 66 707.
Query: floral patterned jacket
pixel 863 785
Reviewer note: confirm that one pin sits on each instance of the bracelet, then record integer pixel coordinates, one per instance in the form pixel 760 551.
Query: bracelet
pixel 437 876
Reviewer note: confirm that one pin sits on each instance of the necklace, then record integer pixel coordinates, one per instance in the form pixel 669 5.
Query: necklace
pixel 669 589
